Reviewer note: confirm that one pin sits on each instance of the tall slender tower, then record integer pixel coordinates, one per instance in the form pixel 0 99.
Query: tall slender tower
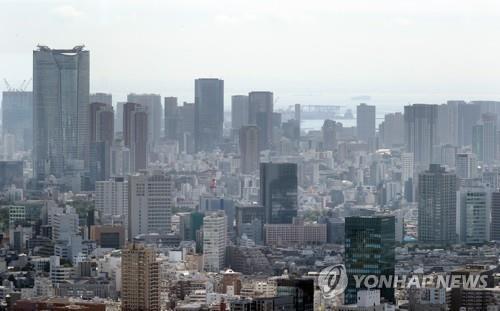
pixel 209 113
pixel 135 134
pixel 60 110
pixel 249 149
pixel 171 117
pixel 101 138
pixel 140 279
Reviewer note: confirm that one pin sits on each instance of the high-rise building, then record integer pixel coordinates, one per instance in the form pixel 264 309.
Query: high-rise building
pixel 421 132
pixel 60 110
pixel 249 149
pixel 101 139
pixel 495 216
pixel 112 200
pixel 278 192
pixel 104 98
pixel 171 117
pixel 260 113
pixel 391 130
pixel 468 115
pixel 140 279
pixel 119 117
pixel 209 113
pixel 11 173
pixel 214 241
pixel 437 206
pixel 152 105
pixel 297 113
pixel 135 134
pixel 302 291
pixel 120 159
pixel 17 117
pixel 239 111
pixel 365 123
pixel 150 203
pixel 466 165
pixel 473 215
pixel 369 250
pixel 407 164
pixel 329 132
pixel 186 128
pixel 484 138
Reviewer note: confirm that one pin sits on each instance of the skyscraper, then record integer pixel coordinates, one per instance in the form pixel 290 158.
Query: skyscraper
pixel 186 128
pixel 17 117
pixel 135 135
pixel 278 192
pixel 249 149
pixel 104 98
pixel 437 206
pixel 468 115
pixel 369 250
pixel 140 279
pixel 365 123
pixel 260 113
pixel 153 108
pixel 214 241
pixel 329 131
pixel 171 117
pixel 209 113
pixel 150 203
pixel 60 110
pixel 421 132
pixel 489 128
pixel 101 139
pixel 239 111
pixel 391 130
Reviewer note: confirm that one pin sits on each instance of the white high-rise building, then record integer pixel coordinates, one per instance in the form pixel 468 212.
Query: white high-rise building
pixel 407 165
pixel 112 200
pixel 120 160
pixel 214 241
pixel 473 215
pixel 64 224
pixel 150 203
pixel 466 165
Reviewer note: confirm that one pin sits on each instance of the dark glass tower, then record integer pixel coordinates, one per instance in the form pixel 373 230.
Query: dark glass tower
pixel 369 250
pixel 278 192
pixel 209 113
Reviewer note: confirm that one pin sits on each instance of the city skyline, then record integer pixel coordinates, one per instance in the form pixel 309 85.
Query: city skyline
pixel 356 62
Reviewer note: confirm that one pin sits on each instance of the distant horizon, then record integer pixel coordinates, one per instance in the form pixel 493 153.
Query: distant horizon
pixel 322 52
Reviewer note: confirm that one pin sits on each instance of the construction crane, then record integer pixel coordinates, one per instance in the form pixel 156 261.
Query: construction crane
pixel 9 88
pixel 22 87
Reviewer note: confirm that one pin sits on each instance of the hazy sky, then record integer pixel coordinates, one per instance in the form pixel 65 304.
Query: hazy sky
pixel 323 52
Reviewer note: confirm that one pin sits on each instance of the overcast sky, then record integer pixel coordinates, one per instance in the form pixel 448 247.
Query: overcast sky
pixel 397 51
